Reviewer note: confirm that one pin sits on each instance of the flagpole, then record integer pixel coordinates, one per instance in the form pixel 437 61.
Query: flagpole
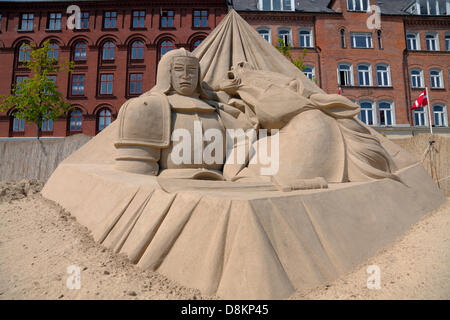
pixel 429 111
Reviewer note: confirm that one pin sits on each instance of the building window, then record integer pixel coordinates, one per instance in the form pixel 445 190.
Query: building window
pixel 80 51
pixel 417 78
pixel 195 44
pixel 106 83
pixel 138 19
pixel 19 80
pixel 432 42
pixel 26 23
pixel 54 21
pixel 420 118
pixel 18 124
pixel 385 113
pixel 137 50
pixel 110 19
pixel 309 72
pixel 47 125
pixel 135 83
pixel 108 51
pixel 440 115
pixel 200 18
pixel 380 42
pixel 305 37
pixel 84 20
pixel 361 40
pixel 53 51
pixel 367 113
pixel 345 74
pixel 436 79
pixel 276 5
pixel 357 5
pixel 285 35
pixel 166 46
pixel 76 120
pixel 24 52
pixel 167 18
pixel 343 39
pixel 364 75
pixel 53 79
pixel 383 75
pixel 412 41
pixel 104 119
pixel 447 42
pixel 78 84
pixel 265 33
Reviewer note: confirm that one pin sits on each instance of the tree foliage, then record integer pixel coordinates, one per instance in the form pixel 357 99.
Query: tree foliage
pixel 37 98
pixel 285 50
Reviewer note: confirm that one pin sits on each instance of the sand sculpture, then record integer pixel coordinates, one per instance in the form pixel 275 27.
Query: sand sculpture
pixel 340 192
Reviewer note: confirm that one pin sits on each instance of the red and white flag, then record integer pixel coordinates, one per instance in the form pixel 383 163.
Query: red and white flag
pixel 421 101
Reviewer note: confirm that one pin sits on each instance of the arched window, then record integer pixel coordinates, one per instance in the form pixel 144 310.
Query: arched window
pixel 440 115
pixel 104 119
pixel 137 50
pixel 309 72
pixel 166 46
pixel 108 51
pixel 386 113
pixel 265 33
pixel 24 52
pixel 79 53
pixel 383 75
pixel 286 36
pixel 195 44
pixel 342 38
pixel 364 75
pixel 75 120
pixel 380 43
pixel 367 113
pixel 345 74
pixel 305 38
pixel 436 80
pixel 53 51
pixel 417 78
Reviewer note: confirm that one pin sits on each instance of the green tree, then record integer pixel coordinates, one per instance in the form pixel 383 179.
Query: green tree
pixel 37 98
pixel 285 50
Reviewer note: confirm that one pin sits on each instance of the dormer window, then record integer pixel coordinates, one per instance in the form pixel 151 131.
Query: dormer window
pixel 358 5
pixel 276 5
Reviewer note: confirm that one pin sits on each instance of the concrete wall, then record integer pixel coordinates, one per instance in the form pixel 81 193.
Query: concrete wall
pixel 33 159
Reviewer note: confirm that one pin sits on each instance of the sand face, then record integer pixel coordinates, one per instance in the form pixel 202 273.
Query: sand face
pixel 39 240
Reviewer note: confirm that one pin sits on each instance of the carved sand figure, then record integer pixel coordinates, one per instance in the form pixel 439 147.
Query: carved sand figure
pixel 246 236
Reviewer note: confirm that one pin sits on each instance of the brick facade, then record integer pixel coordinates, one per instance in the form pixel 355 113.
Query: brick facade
pixel 324 54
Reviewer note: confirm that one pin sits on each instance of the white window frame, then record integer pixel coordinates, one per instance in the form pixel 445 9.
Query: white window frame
pixel 436 41
pixel 422 80
pixel 439 77
pixel 424 114
pixel 447 41
pixel 373 109
pixel 443 114
pixel 391 108
pixel 368 36
pixel 313 72
pixel 416 40
pixel 388 71
pixel 260 5
pixel 361 4
pixel 350 72
pixel 310 34
pixel 269 33
pixel 369 71
pixel 289 35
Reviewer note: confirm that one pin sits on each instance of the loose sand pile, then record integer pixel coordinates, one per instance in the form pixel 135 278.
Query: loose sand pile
pixel 39 240
pixel 10 191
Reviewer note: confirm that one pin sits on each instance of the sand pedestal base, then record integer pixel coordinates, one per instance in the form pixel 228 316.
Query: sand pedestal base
pixel 242 240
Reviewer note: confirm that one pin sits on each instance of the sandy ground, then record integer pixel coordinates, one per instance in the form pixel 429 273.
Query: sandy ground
pixel 39 240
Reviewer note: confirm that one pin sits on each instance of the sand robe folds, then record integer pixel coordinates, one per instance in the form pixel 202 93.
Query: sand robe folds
pixel 319 136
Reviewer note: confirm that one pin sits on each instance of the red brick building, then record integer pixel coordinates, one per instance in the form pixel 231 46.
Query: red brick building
pixel 384 68
pixel 115 48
